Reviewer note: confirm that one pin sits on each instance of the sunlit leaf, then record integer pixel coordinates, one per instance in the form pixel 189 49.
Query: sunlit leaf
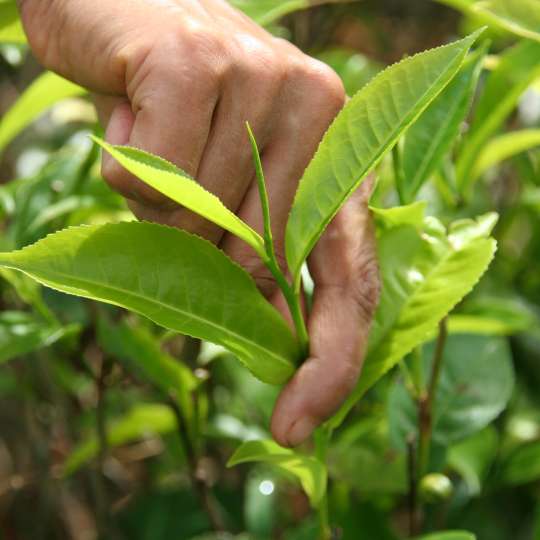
pixel 426 270
pixel 180 187
pixel 367 128
pixel 310 471
pixel 520 17
pixel 11 30
pixel 175 279
pixel 41 95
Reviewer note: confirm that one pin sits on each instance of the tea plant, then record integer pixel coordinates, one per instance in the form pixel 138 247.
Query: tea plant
pixel 406 123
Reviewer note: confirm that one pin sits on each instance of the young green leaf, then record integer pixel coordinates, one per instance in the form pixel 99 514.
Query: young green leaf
pixel 310 471
pixel 140 353
pixel 41 95
pixel 175 279
pixel 518 68
pixel 505 147
pixel 139 423
pixel 180 187
pixel 521 17
pixel 425 272
pixel 11 30
pixel 435 131
pixel 368 127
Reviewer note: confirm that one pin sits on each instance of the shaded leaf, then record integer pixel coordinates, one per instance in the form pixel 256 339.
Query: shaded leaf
pixel 310 471
pixel 367 128
pixel 22 333
pixel 143 421
pixel 449 535
pixel 475 386
pixel 175 279
pixel 140 353
pixel 473 457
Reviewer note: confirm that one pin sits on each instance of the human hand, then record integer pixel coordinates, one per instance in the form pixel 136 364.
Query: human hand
pixel 179 78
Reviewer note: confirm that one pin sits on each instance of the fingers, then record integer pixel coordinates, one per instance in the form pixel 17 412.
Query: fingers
pixel 171 116
pixel 345 272
pixel 311 100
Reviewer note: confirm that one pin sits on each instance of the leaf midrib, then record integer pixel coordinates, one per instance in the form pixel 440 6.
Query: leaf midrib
pixel 394 135
pixel 169 307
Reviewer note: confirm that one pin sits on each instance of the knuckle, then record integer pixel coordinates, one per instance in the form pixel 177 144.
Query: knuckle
pixel 325 83
pixel 259 62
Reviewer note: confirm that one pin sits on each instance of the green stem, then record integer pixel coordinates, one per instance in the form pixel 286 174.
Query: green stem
pixel 292 296
pixel 425 412
pixel 399 177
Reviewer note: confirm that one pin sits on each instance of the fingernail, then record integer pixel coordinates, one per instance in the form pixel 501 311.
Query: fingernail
pixel 301 430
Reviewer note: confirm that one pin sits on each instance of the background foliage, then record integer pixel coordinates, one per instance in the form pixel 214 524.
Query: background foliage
pixel 111 427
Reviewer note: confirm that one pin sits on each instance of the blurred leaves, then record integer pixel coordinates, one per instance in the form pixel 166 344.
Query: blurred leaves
pixel 143 421
pixel 476 384
pixel 11 30
pixel 40 96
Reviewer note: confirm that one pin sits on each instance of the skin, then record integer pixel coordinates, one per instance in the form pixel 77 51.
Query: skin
pixel 179 78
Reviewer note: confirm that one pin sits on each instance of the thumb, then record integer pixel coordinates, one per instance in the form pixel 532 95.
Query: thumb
pixel 345 272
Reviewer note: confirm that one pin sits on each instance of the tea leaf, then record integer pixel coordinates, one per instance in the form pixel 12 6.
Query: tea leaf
pixel 11 30
pixel 461 407
pixel 434 133
pixel 139 423
pixel 140 353
pixel 367 128
pixel 41 95
pixel 425 272
pixel 518 69
pixel 265 12
pixel 180 187
pixel 22 333
pixel 310 471
pixel 449 535
pixel 175 279
pixel 504 147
